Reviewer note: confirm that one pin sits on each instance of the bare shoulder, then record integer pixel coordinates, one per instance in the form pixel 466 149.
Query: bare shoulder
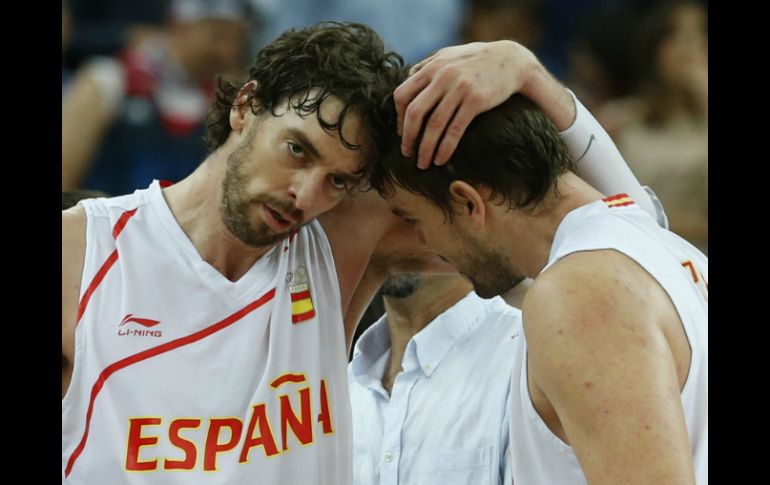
pixel 592 283
pixel 73 248
pixel 73 240
pixel 599 357
pixel 592 298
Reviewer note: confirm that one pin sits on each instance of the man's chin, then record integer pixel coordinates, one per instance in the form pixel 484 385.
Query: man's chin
pixel 491 291
pixel 268 237
pixel 266 240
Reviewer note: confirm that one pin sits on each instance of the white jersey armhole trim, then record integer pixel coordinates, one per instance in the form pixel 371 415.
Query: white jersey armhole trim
pixel 327 248
pixel 79 333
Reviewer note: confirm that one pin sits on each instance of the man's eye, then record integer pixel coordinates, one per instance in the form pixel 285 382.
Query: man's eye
pixel 295 149
pixel 338 182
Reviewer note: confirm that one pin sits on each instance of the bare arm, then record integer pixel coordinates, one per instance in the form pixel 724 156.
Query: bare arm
pixel 369 242
pixel 603 364
pixel 599 162
pixel 73 245
pixel 355 228
pixel 88 109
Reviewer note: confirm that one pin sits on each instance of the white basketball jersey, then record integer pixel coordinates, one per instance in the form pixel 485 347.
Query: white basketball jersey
pixel 184 377
pixel 538 456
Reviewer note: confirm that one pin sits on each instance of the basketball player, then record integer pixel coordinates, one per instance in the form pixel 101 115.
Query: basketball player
pixel 610 380
pixel 204 319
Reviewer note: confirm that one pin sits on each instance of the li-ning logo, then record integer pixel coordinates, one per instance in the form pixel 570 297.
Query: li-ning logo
pixel 139 332
pixel 301 300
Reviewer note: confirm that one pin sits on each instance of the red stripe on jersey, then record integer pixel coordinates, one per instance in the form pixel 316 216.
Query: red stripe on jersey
pixel 302 295
pixel 95 283
pixel 149 353
pixel 302 316
pixel 122 222
pixel 116 230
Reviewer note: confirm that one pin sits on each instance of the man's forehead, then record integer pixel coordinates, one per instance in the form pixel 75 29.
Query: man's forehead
pixel 404 203
pixel 353 129
pixel 329 112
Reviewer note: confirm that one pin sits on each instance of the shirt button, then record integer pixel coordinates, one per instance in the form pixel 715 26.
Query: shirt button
pixel 388 456
pixel 428 367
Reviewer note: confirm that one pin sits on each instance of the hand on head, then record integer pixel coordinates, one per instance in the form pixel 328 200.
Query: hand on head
pixel 448 89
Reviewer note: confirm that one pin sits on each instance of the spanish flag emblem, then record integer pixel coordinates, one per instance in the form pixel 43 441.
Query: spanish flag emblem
pixel 301 303
pixel 619 200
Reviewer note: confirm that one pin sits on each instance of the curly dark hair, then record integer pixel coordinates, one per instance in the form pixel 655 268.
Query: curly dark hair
pixel 512 149
pixel 342 59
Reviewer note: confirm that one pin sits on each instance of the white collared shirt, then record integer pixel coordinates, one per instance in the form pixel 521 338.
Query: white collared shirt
pixel 446 421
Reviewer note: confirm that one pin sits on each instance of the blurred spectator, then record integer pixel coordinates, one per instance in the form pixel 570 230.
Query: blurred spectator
pixel 105 27
pixel 490 20
pixel 66 29
pixel 559 20
pixel 663 130
pixel 601 67
pixel 413 28
pixel 140 116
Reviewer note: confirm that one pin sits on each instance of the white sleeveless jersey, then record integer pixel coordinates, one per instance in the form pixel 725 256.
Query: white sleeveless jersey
pixel 538 456
pixel 183 377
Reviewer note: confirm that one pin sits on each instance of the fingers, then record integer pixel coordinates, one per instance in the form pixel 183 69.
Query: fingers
pixel 404 94
pixel 414 115
pixel 454 132
pixel 436 125
pixel 414 69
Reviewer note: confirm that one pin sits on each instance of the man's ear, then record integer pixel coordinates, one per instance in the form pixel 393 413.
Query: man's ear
pixel 242 105
pixel 467 201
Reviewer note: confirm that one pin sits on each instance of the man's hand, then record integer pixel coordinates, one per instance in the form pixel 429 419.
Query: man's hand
pixel 459 82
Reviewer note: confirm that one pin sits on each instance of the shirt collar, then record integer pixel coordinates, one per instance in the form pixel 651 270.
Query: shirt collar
pixel 434 341
pixel 426 349
pixel 371 349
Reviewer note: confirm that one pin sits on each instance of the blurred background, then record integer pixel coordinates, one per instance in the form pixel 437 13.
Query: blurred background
pixel 137 77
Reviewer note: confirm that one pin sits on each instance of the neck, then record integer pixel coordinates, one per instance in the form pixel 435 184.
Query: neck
pixel 195 203
pixel 408 316
pixel 535 232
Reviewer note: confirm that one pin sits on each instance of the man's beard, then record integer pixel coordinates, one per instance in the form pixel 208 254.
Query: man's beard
pixel 488 270
pixel 400 285
pixel 235 205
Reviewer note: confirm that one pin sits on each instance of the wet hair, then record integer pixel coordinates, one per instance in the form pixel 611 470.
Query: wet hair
pixel 303 67
pixel 513 149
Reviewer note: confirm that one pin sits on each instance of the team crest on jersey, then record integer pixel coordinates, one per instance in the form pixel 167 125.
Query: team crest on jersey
pixel 301 300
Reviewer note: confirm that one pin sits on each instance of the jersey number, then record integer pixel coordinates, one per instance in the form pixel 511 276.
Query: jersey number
pixel 698 279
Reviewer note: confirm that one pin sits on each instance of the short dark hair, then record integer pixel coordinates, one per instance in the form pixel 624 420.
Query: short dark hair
pixel 513 149
pixel 342 59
